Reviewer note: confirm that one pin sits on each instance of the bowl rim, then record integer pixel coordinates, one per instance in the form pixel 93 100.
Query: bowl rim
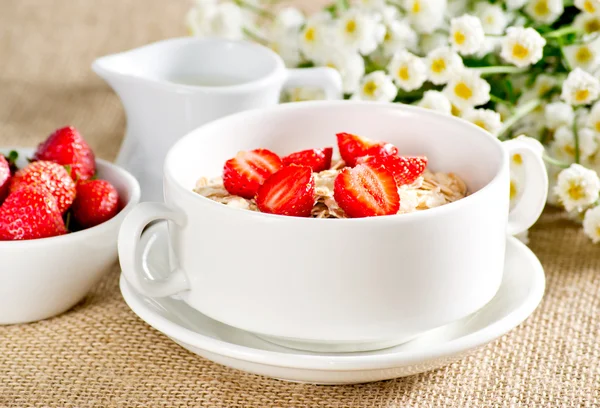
pixel 315 105
pixel 133 187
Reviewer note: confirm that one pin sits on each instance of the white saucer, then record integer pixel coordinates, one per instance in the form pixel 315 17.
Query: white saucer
pixel 521 291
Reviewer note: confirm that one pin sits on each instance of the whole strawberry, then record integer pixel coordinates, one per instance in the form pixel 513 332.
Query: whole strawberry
pixel 51 176
pixel 97 201
pixel 30 213
pixel 4 177
pixel 66 146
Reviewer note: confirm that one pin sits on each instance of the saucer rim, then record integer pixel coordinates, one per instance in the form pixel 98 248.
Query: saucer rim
pixel 344 362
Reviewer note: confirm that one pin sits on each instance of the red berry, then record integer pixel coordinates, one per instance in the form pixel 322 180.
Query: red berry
pixel 245 173
pixel 51 176
pixel 317 159
pixel 406 169
pixel 97 201
pixel 4 177
pixel 30 213
pixel 290 191
pixel 364 191
pixel 352 147
pixel 66 146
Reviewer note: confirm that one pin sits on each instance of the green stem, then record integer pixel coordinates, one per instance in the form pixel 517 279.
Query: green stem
pixel 564 59
pixel 496 99
pixel 342 5
pixel 520 113
pixel 254 37
pixel 261 12
pixel 500 69
pixel 561 32
pixel 555 162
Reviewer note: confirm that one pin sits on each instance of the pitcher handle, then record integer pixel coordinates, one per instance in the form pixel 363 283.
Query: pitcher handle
pixel 131 247
pixel 325 78
pixel 530 205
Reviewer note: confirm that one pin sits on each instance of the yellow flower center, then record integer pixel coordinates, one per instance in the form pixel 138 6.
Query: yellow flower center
pixel 582 95
pixel 583 55
pixel 543 89
pixel 591 26
pixel 513 190
pixel 309 34
pixel 459 37
pixel 597 126
pixel 438 65
pixel 541 8
pixel 569 149
pixel 388 36
pixel 369 88
pixel 589 6
pixel 519 51
pixel 463 91
pixel 455 110
pixel 274 47
pixel 403 73
pixel 576 191
pixel 331 65
pixel 598 230
pixel 489 19
pixel 480 123
pixel 517 159
pixel 416 7
pixel 350 26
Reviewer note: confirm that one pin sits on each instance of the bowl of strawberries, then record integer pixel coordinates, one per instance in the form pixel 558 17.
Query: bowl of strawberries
pixel 60 212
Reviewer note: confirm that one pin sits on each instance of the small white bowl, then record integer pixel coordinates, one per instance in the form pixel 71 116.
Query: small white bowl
pixel 44 277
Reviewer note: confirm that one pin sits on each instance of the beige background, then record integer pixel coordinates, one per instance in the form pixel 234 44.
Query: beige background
pixel 101 354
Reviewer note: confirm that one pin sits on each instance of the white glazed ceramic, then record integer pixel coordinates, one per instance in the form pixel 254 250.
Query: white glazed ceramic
pixel 338 284
pixel 520 292
pixel 160 111
pixel 44 277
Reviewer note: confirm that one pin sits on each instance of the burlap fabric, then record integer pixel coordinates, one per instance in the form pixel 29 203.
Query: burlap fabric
pixel 101 354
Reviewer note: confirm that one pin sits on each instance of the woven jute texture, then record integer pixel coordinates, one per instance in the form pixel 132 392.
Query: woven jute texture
pixel 100 354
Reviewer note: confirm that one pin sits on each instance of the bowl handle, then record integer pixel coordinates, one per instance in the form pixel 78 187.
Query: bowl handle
pixel 130 250
pixel 530 205
pixel 325 78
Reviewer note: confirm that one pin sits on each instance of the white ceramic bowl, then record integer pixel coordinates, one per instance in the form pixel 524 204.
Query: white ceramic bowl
pixel 338 284
pixel 45 277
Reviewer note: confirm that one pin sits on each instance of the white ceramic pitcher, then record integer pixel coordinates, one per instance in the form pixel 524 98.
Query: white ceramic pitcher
pixel 171 87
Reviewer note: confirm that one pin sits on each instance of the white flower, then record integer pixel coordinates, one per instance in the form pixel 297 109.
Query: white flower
pixel 582 118
pixel 588 23
pixel 558 114
pixel 283 35
pixel 369 5
pixel 436 101
pixel 315 37
pixel 442 64
pixel 544 11
pixel 376 86
pixel 589 6
pixel 580 88
pixel 288 49
pixel 542 85
pixel 288 20
pixel 457 8
pixel 350 65
pixel 563 145
pixel 486 119
pixel 466 89
pixel 304 94
pixel 358 31
pixel 577 187
pixel 408 71
pixel 591 224
pixel 429 42
pixel 493 19
pixel 584 56
pixel 593 119
pixel 466 34
pixel 514 4
pixel 522 46
pixel 398 36
pixel 210 18
pixel 425 15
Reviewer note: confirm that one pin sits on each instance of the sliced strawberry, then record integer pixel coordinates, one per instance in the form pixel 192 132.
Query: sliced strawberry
pixel 4 177
pixel 317 159
pixel 406 169
pixel 97 201
pixel 290 191
pixel 30 213
pixel 245 173
pixel 66 146
pixel 352 147
pixel 54 177
pixel 365 191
